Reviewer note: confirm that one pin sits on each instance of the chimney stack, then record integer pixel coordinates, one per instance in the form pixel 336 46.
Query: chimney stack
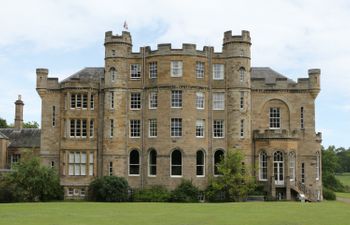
pixel 19 113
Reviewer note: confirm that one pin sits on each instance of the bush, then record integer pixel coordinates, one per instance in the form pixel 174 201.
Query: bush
pixel 152 194
pixel 109 189
pixel 328 194
pixel 185 192
pixel 215 194
pixel 331 182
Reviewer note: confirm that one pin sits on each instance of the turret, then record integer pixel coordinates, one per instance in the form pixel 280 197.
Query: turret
pixel 236 45
pixel 314 81
pixel 41 79
pixel 117 45
pixel 19 113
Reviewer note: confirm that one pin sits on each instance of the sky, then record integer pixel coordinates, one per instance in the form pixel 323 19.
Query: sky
pixel 290 36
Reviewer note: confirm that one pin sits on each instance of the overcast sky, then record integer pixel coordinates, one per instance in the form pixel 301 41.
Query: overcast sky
pixel 289 36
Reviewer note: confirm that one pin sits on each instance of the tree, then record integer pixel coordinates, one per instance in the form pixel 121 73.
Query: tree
pixel 3 123
pixel 330 165
pixel 236 180
pixel 32 182
pixel 109 189
pixel 31 124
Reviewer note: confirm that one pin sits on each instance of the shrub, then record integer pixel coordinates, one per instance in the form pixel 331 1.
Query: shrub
pixel 152 194
pixel 328 194
pixel 185 192
pixel 331 182
pixel 215 194
pixel 109 189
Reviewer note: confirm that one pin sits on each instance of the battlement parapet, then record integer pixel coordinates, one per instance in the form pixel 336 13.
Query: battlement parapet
pixel 243 38
pixel 187 49
pixel 125 38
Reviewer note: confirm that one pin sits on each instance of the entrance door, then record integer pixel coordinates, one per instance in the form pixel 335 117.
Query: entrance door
pixel 278 168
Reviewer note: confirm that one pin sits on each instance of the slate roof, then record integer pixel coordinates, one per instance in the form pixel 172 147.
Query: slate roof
pixel 3 136
pixel 88 74
pixel 268 74
pixel 24 138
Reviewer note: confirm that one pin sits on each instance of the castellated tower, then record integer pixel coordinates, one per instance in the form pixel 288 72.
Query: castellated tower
pixel 236 50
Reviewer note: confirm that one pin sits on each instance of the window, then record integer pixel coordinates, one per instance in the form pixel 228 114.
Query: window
pixel 53 116
pixel 77 163
pixel 302 173
pixel 110 169
pixel 135 100
pixel 134 163
pixel 82 192
pixel 92 103
pixel 200 69
pixel 176 99
pixel 292 166
pixel 219 101
pixel 218 71
pixel 241 101
pixel 111 99
pixel 78 128
pixel 242 129
pixel 153 70
pixel 278 168
pixel 135 71
pixel 152 132
pixel 218 128
pixel 241 52
pixel 70 192
pixel 91 128
pixel 15 158
pixel 52 164
pixel 152 163
pixel 176 163
pixel 176 127
pixel 318 168
pixel 200 128
pixel 200 100
pixel 135 128
pixel 200 165
pixel 302 117
pixel 78 101
pixel 91 164
pixel 176 68
pixel 113 52
pixel 218 157
pixel 241 74
pixel 263 166
pixel 111 128
pixel 275 118
pixel 153 100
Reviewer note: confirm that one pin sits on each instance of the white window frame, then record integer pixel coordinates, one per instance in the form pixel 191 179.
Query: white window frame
pixel 135 71
pixel 176 68
pixel 176 99
pixel 153 100
pixel 200 100
pixel 153 70
pixel 176 165
pixel 263 166
pixel 135 101
pixel 218 71
pixel 200 128
pixel 200 165
pixel 216 132
pixel 77 126
pixel 91 128
pixel 150 165
pixel 241 74
pixel 77 163
pixel 219 101
pixel 152 128
pixel 275 118
pixel 175 127
pixel 199 70
pixel 292 164
pixel 135 128
pixel 91 163
pixel 134 164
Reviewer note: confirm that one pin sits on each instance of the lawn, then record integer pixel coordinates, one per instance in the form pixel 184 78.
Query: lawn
pixel 260 213
pixel 344 178
pixel 343 195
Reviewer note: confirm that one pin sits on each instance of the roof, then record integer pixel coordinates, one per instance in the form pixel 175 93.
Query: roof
pixel 87 74
pixel 3 136
pixel 268 74
pixel 23 138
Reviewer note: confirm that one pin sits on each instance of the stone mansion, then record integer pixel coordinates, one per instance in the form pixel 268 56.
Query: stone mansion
pixel 159 116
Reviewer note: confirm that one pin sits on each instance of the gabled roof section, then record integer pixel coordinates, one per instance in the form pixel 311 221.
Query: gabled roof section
pixel 269 75
pixel 88 74
pixel 3 136
pixel 23 138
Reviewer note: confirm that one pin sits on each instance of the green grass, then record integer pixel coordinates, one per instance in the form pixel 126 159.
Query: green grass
pixel 344 178
pixel 259 213
pixel 342 195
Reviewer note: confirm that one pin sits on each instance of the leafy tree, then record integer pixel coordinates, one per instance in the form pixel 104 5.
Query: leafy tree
pixel 31 124
pixel 185 192
pixel 3 123
pixel 30 181
pixel 109 189
pixel 235 181
pixel 330 165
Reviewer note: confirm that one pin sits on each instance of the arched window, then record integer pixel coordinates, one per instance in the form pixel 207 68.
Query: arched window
pixel 176 163
pixel 278 167
pixel 241 74
pixel 113 74
pixel 318 171
pixel 134 163
pixel 292 166
pixel 263 166
pixel 200 163
pixel 152 163
pixel 218 156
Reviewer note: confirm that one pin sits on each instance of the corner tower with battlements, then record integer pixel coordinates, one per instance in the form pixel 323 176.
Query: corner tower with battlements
pixel 158 116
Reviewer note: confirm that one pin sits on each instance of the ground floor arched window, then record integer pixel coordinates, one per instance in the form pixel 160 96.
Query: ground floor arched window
pixel 134 162
pixel 278 169
pixel 200 163
pixel 152 163
pixel 263 166
pixel 176 163
pixel 218 156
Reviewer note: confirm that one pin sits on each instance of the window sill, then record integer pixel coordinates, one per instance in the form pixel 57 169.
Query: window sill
pixel 176 176
pixel 200 176
pixel 134 175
